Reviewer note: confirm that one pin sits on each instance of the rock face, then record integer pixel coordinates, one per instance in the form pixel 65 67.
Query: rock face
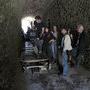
pixel 36 7
pixel 10 42
pixel 69 12
pixel 61 12
pixel 11 12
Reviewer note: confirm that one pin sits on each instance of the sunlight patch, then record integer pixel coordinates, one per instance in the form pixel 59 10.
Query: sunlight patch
pixel 26 22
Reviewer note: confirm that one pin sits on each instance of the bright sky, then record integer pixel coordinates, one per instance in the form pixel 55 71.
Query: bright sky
pixel 26 22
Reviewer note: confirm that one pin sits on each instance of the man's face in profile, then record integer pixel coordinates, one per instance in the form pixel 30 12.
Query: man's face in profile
pixel 80 29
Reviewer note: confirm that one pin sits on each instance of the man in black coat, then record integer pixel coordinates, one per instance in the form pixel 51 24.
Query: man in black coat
pixel 39 25
pixel 81 44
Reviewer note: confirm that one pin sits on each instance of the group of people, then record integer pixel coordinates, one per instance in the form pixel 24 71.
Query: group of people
pixel 72 45
pixel 43 39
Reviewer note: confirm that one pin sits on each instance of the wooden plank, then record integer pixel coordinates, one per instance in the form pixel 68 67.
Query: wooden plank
pixel 33 61
pixel 29 67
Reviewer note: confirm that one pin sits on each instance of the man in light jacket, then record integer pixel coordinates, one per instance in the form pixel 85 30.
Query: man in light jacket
pixel 66 45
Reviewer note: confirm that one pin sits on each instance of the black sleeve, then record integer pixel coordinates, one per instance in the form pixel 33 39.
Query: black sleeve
pixel 35 23
pixel 82 43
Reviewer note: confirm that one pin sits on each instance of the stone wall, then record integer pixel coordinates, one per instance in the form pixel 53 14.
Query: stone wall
pixel 10 42
pixel 61 12
pixel 69 12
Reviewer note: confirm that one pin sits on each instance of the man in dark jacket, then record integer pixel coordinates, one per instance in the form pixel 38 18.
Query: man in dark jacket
pixel 39 25
pixel 81 44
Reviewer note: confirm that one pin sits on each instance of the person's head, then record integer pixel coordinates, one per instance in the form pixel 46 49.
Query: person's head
pixel 64 31
pixel 46 29
pixel 38 19
pixel 54 28
pixel 80 28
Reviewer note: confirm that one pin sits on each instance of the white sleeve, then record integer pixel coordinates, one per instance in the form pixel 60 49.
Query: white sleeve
pixel 67 43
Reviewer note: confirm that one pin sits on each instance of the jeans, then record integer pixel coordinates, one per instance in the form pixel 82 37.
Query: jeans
pixel 74 53
pixel 53 50
pixel 65 63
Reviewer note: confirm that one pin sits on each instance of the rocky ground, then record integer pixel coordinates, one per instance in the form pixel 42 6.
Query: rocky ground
pixel 51 80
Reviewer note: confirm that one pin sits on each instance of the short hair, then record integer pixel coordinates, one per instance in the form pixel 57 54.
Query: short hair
pixel 38 17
